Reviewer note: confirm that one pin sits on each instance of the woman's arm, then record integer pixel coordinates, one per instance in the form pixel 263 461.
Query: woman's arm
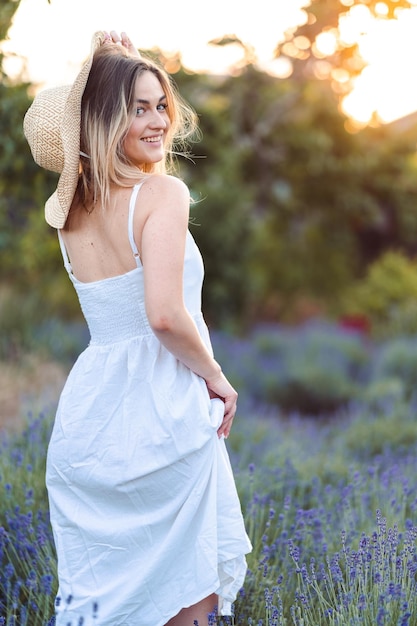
pixel 162 250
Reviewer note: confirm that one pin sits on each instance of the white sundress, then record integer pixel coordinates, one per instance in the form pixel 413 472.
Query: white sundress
pixel 144 509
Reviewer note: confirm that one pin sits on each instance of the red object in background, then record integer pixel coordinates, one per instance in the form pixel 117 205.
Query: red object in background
pixel 358 323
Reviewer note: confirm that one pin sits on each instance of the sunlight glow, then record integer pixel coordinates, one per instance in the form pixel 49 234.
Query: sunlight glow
pixel 381 9
pixel 385 89
pixel 354 24
pixel 51 52
pixel 280 67
pixel 57 45
pixel 325 43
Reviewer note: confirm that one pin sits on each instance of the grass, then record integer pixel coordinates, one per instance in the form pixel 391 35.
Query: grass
pixel 329 500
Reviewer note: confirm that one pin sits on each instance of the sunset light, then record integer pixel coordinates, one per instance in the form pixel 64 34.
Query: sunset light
pixel 384 89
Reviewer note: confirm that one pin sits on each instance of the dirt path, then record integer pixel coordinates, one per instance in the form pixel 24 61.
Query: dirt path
pixel 32 385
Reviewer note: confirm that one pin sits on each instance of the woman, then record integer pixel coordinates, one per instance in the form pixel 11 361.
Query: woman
pixel 146 518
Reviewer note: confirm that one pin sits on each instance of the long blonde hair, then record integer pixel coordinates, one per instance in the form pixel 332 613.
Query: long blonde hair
pixel 107 112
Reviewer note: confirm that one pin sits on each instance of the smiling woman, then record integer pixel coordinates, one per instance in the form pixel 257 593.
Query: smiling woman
pixel 147 491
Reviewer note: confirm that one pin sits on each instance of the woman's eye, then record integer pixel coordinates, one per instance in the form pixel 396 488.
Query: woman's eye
pixel 159 107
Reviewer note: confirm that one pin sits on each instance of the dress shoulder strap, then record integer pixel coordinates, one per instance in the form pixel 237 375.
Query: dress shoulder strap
pixel 132 205
pixel 64 253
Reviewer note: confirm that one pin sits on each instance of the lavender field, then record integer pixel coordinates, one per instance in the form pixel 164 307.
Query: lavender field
pixel 324 452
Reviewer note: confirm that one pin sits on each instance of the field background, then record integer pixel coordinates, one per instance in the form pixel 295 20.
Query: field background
pixel 307 222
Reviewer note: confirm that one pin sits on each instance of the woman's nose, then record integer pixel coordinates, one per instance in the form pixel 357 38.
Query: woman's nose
pixel 158 120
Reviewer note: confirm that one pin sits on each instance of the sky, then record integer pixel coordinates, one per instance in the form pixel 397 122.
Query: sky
pixel 54 38
pixel 388 83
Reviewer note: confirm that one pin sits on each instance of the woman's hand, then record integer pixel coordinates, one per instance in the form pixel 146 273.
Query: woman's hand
pixel 122 40
pixel 219 387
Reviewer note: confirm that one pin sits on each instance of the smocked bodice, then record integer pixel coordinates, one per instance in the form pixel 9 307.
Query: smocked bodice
pixel 114 308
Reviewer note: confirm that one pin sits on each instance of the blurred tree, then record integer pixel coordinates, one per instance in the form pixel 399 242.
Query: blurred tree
pixel 287 203
pixel 221 217
pixel 7 10
pixel 29 253
pixel 386 296
pixel 302 205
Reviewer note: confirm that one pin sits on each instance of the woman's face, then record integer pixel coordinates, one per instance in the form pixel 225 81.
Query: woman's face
pixel 145 139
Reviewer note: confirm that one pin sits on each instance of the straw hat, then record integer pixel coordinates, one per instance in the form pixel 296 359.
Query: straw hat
pixel 52 128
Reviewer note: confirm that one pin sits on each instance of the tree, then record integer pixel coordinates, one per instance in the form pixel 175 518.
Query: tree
pixel 221 215
pixel 29 252
pixel 287 203
pixel 324 203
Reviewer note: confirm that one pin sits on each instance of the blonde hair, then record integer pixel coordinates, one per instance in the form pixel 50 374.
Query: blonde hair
pixel 107 112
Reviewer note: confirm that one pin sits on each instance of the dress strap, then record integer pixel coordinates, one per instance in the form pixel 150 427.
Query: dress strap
pixel 67 264
pixel 132 205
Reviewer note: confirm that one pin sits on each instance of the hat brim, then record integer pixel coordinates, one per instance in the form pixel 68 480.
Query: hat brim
pixel 57 207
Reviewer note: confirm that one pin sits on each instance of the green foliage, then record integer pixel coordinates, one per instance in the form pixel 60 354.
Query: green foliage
pixel 222 214
pixel 319 372
pixel 18 318
pixel 312 370
pixel 7 10
pixel 387 295
pixel 301 205
pixel 373 432
pixel 29 254
pixel 28 326
pixel 289 205
pixel 302 240
pixel 396 360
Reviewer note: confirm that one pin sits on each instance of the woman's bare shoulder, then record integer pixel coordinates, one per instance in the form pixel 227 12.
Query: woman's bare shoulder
pixel 164 184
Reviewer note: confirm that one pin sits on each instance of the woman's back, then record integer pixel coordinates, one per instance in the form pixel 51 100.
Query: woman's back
pixel 97 241
pixel 113 302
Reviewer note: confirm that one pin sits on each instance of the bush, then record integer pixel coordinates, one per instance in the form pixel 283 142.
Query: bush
pixel 25 327
pixel 387 296
pixel 315 369
pixel 396 362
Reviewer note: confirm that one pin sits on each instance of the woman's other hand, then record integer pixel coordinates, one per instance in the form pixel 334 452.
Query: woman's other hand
pixel 219 387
